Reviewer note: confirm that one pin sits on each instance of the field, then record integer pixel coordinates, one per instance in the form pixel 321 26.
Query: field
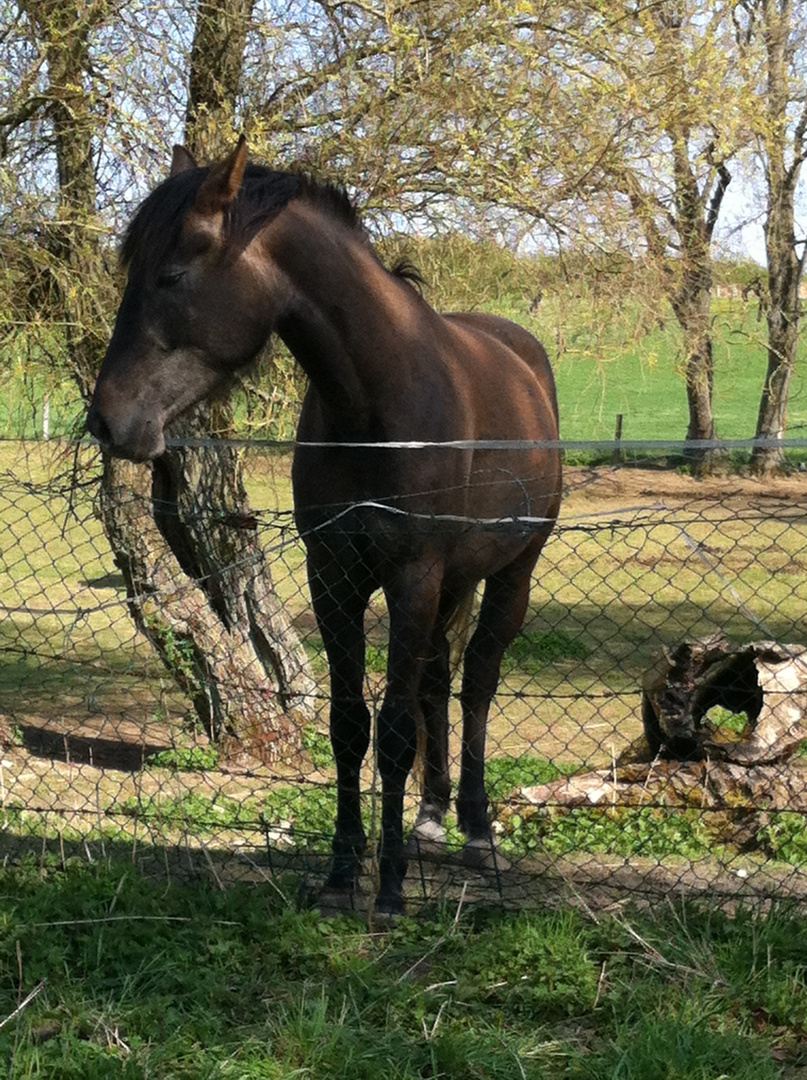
pixel 613 340
pixel 97 741
pixel 145 931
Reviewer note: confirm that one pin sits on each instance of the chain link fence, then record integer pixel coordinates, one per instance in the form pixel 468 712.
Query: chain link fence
pixel 642 741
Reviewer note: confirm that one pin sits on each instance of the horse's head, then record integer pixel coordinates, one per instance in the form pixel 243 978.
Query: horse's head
pixel 198 304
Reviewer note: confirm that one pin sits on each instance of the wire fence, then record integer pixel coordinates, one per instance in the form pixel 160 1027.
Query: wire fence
pixel 646 737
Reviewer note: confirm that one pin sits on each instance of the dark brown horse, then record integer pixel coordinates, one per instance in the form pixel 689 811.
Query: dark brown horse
pixel 221 257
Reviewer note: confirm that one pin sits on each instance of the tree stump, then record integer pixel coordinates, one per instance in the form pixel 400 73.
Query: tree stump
pixel 764 680
pixel 721 726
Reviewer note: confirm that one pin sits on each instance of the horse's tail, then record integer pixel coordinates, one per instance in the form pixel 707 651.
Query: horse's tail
pixel 459 630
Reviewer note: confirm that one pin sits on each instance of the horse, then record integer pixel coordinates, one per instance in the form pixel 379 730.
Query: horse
pixel 404 476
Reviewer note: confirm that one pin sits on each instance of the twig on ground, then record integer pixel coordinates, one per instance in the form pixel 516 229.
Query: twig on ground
pixel 440 941
pixel 429 1035
pixel 600 985
pixel 655 956
pixel 211 866
pixel 23 1005
pixel 459 905
pixel 129 918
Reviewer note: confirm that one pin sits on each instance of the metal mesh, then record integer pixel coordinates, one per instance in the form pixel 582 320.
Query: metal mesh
pixel 102 753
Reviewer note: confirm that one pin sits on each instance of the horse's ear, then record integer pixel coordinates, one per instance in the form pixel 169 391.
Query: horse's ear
pixel 221 184
pixel 181 161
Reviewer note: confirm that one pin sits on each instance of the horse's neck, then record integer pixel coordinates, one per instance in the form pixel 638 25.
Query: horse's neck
pixel 344 323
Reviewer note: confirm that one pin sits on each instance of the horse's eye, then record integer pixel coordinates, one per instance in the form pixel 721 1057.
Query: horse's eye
pixel 169 278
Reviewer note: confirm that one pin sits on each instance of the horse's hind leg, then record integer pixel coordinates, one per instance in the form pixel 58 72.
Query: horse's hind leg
pixel 429 833
pixel 340 599
pixel 413 600
pixel 504 605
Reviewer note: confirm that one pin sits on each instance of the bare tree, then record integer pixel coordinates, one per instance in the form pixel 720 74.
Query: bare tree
pixel 248 676
pixel 662 127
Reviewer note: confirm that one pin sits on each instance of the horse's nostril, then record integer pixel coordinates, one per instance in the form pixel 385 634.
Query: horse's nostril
pixel 97 426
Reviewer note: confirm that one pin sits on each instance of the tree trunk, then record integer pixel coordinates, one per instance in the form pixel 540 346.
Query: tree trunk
pixel 78 284
pixel 783 341
pixel 218 657
pixel 700 372
pixel 692 307
pixel 688 275
pixel 217 61
pixel 784 265
pixel 197 581
pixel 202 510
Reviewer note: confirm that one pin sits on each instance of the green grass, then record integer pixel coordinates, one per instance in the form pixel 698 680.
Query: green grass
pixel 533 650
pixel 504 775
pixel 190 759
pixel 144 980
pixel 642 377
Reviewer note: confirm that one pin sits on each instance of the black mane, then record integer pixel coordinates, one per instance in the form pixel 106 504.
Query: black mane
pixel 154 230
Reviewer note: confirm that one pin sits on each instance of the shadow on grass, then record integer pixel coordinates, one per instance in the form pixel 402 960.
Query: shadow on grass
pixel 121 754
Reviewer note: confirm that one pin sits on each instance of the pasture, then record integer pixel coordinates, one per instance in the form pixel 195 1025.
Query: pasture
pixel 612 338
pixel 136 890
pixel 98 743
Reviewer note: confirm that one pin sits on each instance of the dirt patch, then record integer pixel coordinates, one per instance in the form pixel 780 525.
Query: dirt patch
pixel 610 488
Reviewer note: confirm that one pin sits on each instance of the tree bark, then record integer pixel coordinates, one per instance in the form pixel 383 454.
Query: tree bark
pixel 217 60
pixel 696 213
pixel 692 307
pixel 78 283
pixel 218 630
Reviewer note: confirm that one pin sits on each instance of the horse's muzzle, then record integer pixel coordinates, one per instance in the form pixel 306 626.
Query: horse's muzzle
pixel 133 437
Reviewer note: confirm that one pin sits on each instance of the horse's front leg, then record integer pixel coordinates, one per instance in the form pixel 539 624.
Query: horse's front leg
pixel 340 599
pixel 428 833
pixel 412 598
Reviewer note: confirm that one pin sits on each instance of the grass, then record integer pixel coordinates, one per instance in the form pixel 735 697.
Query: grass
pixel 642 377
pixel 138 979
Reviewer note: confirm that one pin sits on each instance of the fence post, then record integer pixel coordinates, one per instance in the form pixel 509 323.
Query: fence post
pixel 617 459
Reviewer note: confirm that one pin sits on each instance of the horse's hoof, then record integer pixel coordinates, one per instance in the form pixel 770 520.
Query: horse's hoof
pixel 482 854
pixel 334 902
pixel 426 838
pixel 387 911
